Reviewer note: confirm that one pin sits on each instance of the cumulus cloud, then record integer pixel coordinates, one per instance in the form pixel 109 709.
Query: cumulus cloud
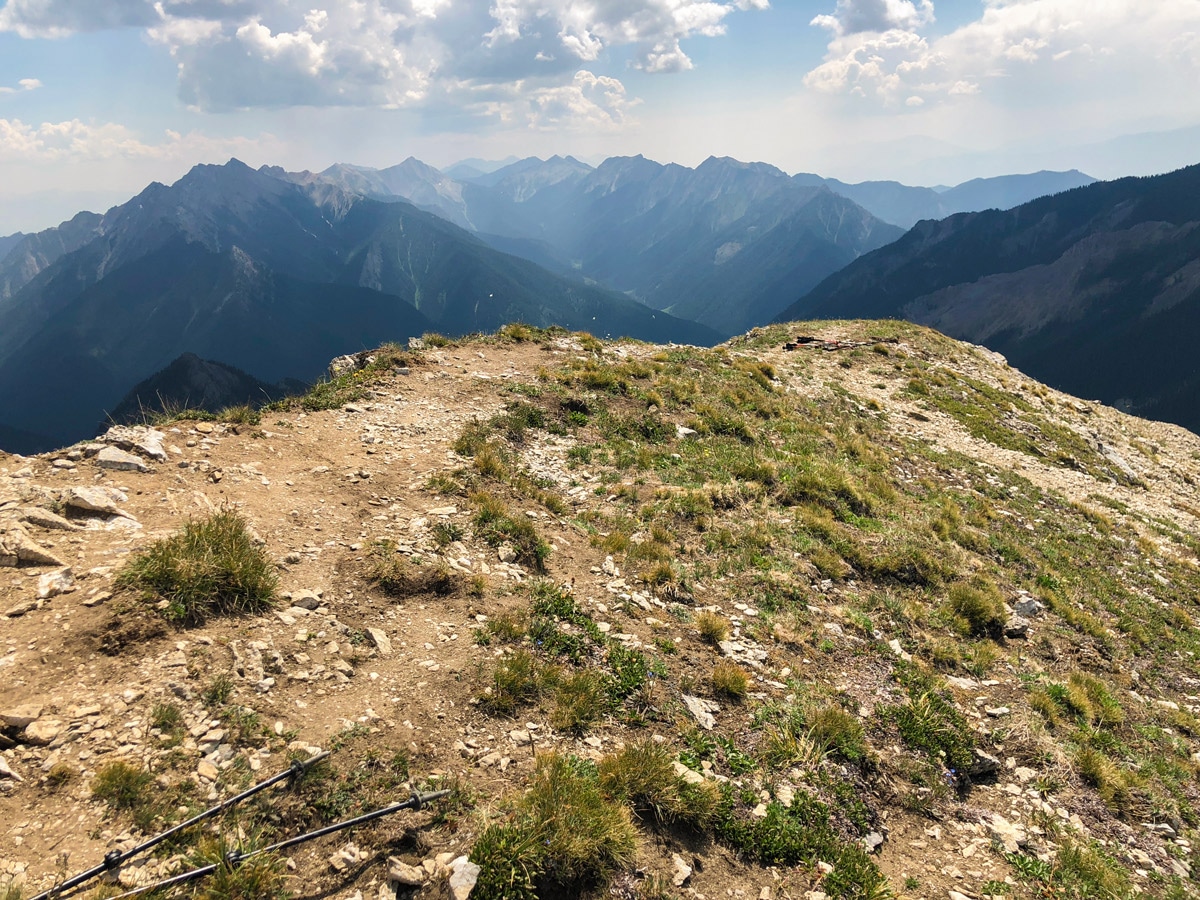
pixel 880 49
pixel 237 54
pixel 590 102
pixel 58 18
pixel 856 16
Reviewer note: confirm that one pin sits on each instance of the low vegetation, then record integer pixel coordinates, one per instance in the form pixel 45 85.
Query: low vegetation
pixel 211 568
pixel 760 614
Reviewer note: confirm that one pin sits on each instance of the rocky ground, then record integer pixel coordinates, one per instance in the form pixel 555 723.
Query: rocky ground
pixel 87 669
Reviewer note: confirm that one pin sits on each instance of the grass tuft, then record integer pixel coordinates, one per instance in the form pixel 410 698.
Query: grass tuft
pixel 211 568
pixel 495 525
pixel 122 786
pixel 712 628
pixel 565 837
pixel 730 680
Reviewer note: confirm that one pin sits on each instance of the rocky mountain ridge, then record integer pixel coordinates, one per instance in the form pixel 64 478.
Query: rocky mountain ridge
pixel 884 607
pixel 1103 272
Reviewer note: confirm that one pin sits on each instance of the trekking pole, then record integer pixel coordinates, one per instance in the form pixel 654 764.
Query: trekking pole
pixel 114 858
pixel 234 858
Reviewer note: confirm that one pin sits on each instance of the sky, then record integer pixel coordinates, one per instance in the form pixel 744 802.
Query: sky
pixel 100 97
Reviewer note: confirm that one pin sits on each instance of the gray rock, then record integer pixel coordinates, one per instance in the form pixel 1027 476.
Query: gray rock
pixel 873 841
pixel 120 461
pixel 463 875
pixel 25 606
pixel 682 873
pixel 6 771
pixel 43 518
pixel 52 584
pixel 306 600
pixel 139 439
pixel 1005 834
pixel 691 776
pixel 97 499
pixel 506 552
pixel 703 710
pixel 983 765
pixel 1016 627
pixel 380 640
pixel 42 732
pixel 343 365
pixel 16 547
pixel 401 872
pixel 1028 607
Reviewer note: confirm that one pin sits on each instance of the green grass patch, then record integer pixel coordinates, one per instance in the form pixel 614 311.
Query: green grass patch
pixel 211 568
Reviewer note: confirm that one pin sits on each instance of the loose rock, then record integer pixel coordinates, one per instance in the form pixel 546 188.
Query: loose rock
pixel 380 640
pixel 463 875
pixel 120 461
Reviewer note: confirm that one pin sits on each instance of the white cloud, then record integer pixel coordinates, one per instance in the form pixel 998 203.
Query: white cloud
pixel 879 48
pixel 238 54
pixel 58 18
pixel 25 84
pixel 76 141
pixel 590 102
pixel 857 16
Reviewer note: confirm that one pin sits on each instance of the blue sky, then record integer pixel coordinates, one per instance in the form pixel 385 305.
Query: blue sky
pixel 98 97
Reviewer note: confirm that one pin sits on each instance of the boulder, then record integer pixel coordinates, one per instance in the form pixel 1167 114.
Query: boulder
pixel 463 875
pixel 1028 607
pixel 6 771
pixel 682 873
pixel 119 461
pixel 703 711
pixel 138 439
pixel 20 716
pixel 52 584
pixel 1006 834
pixel 343 365
pixel 16 547
pixel 306 600
pixel 43 518
pixel 983 765
pixel 401 872
pixel 42 731
pixel 380 640
pixel 1016 627
pixel 96 499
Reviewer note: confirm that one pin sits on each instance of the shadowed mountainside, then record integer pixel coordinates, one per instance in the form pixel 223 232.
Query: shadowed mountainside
pixel 268 276
pixel 1096 291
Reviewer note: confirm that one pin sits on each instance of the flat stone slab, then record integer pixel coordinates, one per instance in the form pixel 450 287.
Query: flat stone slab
pixel 120 461
pixel 139 439
pixel 21 716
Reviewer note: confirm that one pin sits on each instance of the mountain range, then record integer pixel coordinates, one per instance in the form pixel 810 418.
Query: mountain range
pixel 274 272
pixel 727 243
pixel 903 205
pixel 263 274
pixel 1095 291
